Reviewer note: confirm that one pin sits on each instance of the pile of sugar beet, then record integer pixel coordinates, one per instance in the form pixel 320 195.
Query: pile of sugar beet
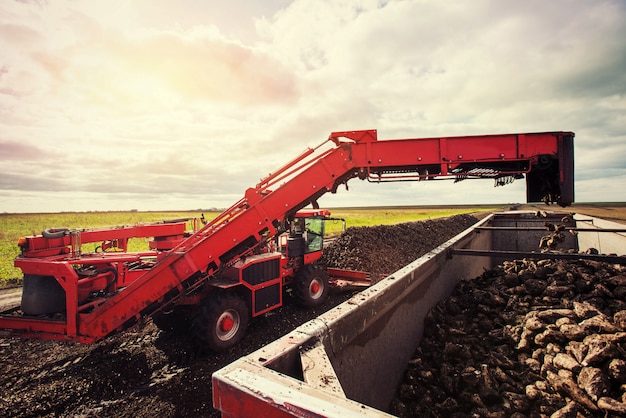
pixel 146 372
pixel 529 338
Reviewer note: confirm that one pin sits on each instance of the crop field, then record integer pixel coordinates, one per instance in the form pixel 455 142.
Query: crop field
pixel 14 226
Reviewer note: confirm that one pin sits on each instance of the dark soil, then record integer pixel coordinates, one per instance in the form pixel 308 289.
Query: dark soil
pixel 384 249
pixel 145 372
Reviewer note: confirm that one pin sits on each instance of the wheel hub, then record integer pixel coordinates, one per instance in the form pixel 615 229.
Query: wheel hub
pixel 227 324
pixel 316 289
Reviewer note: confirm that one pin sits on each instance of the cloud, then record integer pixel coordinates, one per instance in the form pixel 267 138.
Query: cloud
pixel 200 100
pixel 37 2
pixel 199 67
pixel 118 70
pixel 19 151
pixel 31 182
pixel 19 34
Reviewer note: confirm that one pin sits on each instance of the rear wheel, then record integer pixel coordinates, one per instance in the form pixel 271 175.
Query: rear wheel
pixel 221 321
pixel 311 286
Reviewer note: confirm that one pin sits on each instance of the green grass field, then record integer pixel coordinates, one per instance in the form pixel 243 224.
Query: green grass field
pixel 14 226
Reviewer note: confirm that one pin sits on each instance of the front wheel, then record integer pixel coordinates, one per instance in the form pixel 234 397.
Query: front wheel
pixel 221 321
pixel 311 286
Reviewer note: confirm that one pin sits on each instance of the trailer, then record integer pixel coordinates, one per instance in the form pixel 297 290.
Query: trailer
pixel 350 360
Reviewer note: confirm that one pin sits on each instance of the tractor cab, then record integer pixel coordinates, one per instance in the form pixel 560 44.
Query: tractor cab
pixel 305 237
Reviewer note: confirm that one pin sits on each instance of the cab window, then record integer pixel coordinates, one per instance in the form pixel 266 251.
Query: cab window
pixel 314 234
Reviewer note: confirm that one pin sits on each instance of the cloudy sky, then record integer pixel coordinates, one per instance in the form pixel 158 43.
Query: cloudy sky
pixel 178 105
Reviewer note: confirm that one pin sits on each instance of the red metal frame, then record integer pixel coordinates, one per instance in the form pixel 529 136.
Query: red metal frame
pixel 117 237
pixel 194 261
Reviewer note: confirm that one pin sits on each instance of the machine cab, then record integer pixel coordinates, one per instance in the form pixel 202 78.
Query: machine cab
pixel 306 234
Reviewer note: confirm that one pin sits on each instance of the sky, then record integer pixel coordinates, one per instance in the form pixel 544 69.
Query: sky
pixel 183 105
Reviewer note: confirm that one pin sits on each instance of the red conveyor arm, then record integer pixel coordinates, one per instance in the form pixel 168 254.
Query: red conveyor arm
pixel 546 159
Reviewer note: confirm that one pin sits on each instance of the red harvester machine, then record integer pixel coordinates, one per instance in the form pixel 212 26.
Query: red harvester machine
pixel 236 266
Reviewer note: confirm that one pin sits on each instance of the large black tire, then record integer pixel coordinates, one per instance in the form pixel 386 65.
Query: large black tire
pixel 221 320
pixel 311 286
